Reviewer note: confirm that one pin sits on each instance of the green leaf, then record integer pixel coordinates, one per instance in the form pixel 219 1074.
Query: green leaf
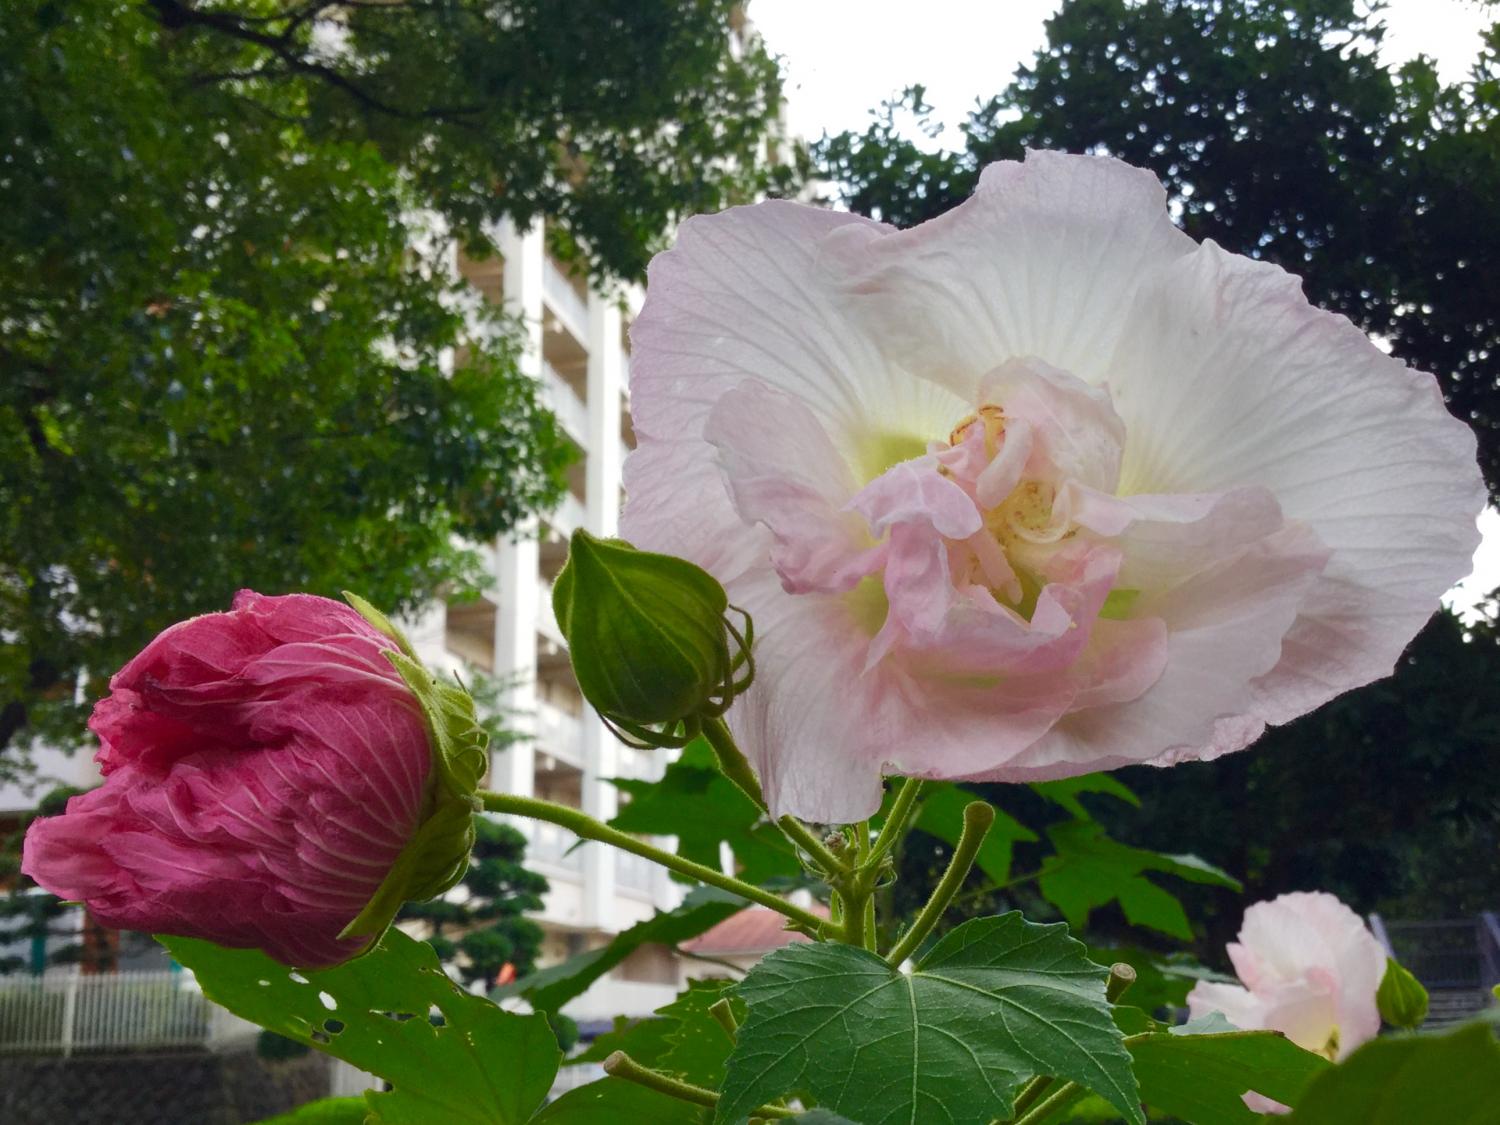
pixel 996 1002
pixel 698 1045
pixel 942 815
pixel 611 1101
pixel 551 988
pixel 1067 791
pixel 644 1040
pixel 1202 1078
pixel 1450 1079
pixel 696 803
pixel 482 1066
pixel 324 1111
pixel 1089 869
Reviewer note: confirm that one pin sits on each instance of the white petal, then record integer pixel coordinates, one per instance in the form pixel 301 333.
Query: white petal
pixel 1225 628
pixel 1229 378
pixel 1044 260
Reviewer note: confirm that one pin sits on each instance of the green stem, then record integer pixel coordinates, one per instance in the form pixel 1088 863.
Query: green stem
pixel 806 839
pixel 978 817
pixel 1121 977
pixel 1056 1102
pixel 622 1066
pixel 722 1011
pixel 732 761
pixel 581 824
pixel 735 766
pixel 1030 1094
pixel 895 824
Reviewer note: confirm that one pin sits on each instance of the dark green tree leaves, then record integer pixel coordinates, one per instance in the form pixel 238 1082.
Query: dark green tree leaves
pixel 478 1065
pixel 1278 133
pixel 996 1002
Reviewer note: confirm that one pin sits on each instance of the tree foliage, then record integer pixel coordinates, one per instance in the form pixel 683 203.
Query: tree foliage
pixel 479 931
pixel 1278 133
pixel 226 300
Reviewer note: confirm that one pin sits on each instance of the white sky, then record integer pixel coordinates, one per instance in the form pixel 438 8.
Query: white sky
pixel 843 58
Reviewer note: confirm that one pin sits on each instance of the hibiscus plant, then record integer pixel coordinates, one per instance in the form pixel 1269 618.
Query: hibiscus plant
pixel 1036 489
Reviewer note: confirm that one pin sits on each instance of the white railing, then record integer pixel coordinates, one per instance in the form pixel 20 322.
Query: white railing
pixel 559 734
pixel 564 300
pixel 634 873
pixel 551 845
pixel 609 996
pixel 567 517
pixel 559 397
pixel 546 619
pixel 67 1011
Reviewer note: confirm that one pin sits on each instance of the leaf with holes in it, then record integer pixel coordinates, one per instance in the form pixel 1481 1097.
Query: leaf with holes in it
pixel 996 1002
pixel 480 1065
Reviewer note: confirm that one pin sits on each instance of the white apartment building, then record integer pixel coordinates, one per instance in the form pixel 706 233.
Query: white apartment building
pixel 577 347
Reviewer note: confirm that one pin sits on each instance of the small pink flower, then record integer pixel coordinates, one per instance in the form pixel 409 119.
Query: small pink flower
pixel 1037 488
pixel 264 768
pixel 1310 969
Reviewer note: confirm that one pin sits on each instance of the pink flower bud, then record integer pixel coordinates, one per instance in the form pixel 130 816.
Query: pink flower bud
pixel 264 770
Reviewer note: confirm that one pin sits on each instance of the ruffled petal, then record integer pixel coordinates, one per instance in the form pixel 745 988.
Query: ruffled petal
pixel 784 473
pixel 1043 260
pixel 1228 378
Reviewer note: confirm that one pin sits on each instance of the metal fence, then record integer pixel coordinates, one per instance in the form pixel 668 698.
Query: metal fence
pixel 67 1011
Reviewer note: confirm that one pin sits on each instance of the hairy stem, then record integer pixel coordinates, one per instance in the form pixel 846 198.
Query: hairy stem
pixel 622 1066
pixel 896 823
pixel 581 824
pixel 978 817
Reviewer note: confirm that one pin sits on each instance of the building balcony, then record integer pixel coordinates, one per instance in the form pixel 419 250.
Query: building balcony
pixel 567 517
pixel 559 734
pixel 565 302
pixel 546 619
pixel 549 845
pixel 559 397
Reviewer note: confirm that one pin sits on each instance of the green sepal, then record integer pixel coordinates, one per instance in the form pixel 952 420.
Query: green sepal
pixel 1401 998
pixel 380 622
pixel 437 856
pixel 652 648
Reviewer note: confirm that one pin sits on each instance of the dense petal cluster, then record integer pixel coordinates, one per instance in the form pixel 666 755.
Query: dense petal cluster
pixel 1309 968
pixel 1037 488
pixel 264 769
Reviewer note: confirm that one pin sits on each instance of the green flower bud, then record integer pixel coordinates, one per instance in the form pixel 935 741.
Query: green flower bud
pixel 1401 998
pixel 651 643
pixel 437 856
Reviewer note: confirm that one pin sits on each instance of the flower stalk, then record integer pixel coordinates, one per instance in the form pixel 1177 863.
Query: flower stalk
pixel 585 826
pixel 978 817
pixel 622 1066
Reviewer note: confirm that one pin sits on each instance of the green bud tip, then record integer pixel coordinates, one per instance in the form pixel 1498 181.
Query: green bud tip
pixel 1401 998
pixel 651 640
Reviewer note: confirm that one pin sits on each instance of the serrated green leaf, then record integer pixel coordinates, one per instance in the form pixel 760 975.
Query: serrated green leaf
pixel 1088 869
pixel 702 808
pixel 996 1002
pixel 942 815
pixel 611 1101
pixel 644 1040
pixel 1202 1078
pixel 549 989
pixel 1066 792
pixel 698 1045
pixel 324 1111
pixel 482 1066
pixel 1449 1079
